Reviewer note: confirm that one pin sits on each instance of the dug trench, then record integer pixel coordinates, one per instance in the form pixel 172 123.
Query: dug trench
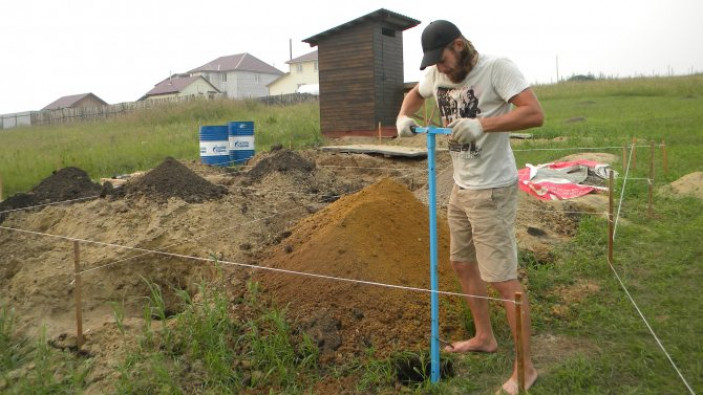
pixel 352 220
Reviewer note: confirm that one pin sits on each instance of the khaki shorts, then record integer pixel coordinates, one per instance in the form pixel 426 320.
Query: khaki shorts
pixel 482 230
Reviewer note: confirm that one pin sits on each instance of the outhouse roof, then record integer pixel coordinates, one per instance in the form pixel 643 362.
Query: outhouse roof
pixel 398 21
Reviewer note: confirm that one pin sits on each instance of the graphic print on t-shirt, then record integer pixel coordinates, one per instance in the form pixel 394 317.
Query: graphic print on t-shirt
pixel 455 103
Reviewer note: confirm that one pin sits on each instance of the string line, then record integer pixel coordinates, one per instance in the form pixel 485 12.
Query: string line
pixel 250 266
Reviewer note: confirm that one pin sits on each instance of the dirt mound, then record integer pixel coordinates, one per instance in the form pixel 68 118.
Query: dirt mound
pixel 380 234
pixel 282 160
pixel 173 179
pixel 688 185
pixel 66 184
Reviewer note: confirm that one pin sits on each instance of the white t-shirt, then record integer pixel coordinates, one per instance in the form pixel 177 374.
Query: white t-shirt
pixel 488 162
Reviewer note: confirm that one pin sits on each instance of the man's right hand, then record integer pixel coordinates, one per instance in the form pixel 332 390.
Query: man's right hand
pixel 404 125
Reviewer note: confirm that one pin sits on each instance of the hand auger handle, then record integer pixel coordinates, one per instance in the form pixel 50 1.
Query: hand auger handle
pixel 430 130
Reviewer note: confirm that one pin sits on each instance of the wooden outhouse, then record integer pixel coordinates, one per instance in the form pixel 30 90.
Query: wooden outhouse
pixel 361 74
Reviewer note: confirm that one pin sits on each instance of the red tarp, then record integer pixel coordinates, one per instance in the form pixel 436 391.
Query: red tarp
pixel 554 189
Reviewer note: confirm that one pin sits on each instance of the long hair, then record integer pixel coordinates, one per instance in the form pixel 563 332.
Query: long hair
pixel 467 56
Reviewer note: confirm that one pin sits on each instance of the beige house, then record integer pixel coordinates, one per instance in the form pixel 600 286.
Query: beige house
pixel 181 85
pixel 82 100
pixel 302 76
pixel 239 76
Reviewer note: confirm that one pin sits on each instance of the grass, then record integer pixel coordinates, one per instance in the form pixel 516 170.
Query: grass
pixel 141 140
pixel 205 348
pixel 605 345
pixel 34 367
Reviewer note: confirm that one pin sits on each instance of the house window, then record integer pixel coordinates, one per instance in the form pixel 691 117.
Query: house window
pixel 224 77
pixel 299 67
pixel 256 77
pixel 388 32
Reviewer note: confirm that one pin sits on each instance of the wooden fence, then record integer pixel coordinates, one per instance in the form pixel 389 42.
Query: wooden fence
pixel 83 114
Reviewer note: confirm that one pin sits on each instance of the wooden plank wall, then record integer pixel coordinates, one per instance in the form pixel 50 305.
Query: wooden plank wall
pixel 361 78
pixel 388 66
pixel 347 98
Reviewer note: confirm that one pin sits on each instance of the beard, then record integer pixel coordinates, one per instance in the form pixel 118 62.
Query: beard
pixel 464 65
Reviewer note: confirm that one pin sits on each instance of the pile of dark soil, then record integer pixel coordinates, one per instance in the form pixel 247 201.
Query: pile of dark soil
pixel 281 161
pixel 66 184
pixel 173 179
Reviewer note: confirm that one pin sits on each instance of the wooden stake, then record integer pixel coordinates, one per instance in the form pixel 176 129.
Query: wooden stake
pixel 634 153
pixel 379 133
pixel 611 223
pixel 429 121
pixel 666 163
pixel 77 291
pixel 0 187
pixel 651 177
pixel 519 350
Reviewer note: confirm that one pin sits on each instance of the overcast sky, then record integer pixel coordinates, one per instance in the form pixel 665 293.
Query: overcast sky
pixel 119 50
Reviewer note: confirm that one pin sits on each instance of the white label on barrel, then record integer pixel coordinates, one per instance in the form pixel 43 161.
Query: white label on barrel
pixel 241 143
pixel 213 148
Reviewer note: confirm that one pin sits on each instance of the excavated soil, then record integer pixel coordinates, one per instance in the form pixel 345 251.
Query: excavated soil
pixel 378 235
pixel 66 184
pixel 172 179
pixel 688 185
pixel 301 217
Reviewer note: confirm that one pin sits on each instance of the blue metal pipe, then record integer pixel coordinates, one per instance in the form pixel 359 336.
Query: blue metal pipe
pixel 434 283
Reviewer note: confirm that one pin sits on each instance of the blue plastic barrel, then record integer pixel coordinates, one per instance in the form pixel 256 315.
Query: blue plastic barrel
pixel 214 145
pixel 241 141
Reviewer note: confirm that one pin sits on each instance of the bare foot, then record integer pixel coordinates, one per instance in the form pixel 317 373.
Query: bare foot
pixel 472 345
pixel 511 386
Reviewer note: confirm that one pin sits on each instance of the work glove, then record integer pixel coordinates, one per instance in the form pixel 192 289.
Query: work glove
pixel 466 130
pixel 405 125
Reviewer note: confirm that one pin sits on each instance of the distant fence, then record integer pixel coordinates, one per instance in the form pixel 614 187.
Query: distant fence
pixel 83 114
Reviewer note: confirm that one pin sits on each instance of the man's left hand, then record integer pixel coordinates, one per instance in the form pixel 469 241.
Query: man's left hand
pixel 466 130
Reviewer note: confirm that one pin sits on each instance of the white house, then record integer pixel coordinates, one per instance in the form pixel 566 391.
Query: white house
pixel 302 76
pixel 239 76
pixel 180 85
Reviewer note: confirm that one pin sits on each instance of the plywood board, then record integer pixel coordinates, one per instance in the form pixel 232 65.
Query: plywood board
pixel 388 150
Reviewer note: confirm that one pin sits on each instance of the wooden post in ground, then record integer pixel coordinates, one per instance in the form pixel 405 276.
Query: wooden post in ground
pixel 519 350
pixel 0 187
pixel 665 162
pixel 651 177
pixel 611 223
pixel 634 154
pixel 379 133
pixel 78 290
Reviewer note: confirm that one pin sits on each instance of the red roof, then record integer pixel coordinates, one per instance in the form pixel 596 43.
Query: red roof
pixel 175 84
pixel 239 62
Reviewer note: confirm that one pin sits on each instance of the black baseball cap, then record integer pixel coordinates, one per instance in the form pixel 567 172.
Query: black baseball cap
pixel 436 36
